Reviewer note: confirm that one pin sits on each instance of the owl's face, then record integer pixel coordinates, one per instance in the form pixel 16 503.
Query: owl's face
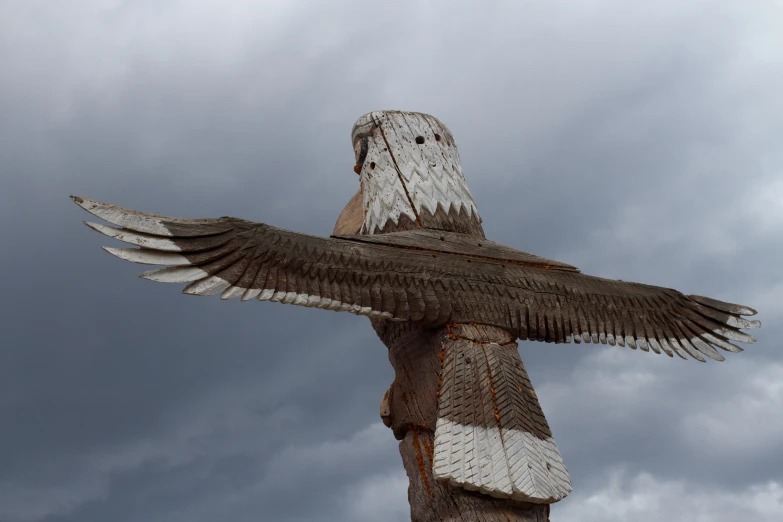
pixel 410 177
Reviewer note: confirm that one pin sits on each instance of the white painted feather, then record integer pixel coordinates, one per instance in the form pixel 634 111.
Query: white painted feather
pixel 232 292
pixel 124 217
pixel 175 274
pixel 148 257
pixel 135 238
pixel 207 286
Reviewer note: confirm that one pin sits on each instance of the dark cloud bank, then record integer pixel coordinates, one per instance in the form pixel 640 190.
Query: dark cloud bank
pixel 639 143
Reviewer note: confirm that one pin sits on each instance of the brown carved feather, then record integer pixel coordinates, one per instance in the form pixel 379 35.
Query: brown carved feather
pixel 412 276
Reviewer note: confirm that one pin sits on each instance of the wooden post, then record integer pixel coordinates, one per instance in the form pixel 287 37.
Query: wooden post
pixel 416 354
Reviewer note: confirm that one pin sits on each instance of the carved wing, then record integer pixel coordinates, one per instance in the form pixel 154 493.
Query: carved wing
pixel 536 301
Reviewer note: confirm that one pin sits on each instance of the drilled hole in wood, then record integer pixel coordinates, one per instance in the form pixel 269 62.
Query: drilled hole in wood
pixel 420 140
pixel 372 165
pixel 437 137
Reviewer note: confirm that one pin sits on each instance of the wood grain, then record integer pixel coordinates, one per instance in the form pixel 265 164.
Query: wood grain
pixel 415 353
pixel 411 175
pixel 491 434
pixel 412 276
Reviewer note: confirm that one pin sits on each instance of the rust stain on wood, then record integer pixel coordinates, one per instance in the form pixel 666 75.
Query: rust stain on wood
pixel 429 449
pixel 420 460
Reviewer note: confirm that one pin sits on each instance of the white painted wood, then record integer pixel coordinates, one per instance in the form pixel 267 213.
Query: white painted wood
pixel 135 238
pixel 232 292
pixel 520 466
pixel 421 176
pixel 125 218
pixel 251 293
pixel 148 257
pixel 207 286
pixel 175 274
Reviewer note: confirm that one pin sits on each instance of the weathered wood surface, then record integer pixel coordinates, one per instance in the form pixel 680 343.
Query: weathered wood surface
pixel 350 219
pixel 238 258
pixel 453 243
pixel 411 175
pixel 491 434
pixel 417 356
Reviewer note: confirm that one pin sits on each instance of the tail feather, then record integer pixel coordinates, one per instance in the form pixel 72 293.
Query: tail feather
pixel 491 434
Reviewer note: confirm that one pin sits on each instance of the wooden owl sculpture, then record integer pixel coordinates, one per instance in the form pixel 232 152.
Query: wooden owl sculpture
pixel 409 252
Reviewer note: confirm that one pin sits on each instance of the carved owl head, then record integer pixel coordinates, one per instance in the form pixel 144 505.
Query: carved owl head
pixel 410 177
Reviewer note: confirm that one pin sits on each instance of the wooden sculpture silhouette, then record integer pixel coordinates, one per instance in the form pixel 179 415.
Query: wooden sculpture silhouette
pixel 409 252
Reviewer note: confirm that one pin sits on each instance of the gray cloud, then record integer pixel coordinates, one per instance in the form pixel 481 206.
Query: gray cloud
pixel 638 142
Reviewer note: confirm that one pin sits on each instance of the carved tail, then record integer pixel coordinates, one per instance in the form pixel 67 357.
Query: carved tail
pixel 491 435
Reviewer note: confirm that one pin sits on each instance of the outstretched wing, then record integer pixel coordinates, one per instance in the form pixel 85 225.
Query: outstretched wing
pixel 538 302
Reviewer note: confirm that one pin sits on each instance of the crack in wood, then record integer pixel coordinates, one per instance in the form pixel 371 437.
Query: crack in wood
pixel 399 173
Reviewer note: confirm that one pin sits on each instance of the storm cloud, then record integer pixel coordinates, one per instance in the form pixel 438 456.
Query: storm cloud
pixel 637 141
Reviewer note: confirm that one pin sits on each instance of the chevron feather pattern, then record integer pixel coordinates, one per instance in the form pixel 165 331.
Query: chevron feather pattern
pixel 414 173
pixel 431 277
pixel 421 268
pixel 491 435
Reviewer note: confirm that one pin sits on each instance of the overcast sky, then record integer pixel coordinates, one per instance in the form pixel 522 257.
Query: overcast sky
pixel 636 140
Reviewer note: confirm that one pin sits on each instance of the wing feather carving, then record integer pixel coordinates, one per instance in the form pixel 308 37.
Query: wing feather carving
pixel 417 276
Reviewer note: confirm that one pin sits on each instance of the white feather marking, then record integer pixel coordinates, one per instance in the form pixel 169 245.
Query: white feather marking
pixel 207 286
pixel 734 335
pixel 124 217
pixel 136 238
pixel 539 475
pixel 324 302
pixel 250 293
pixel 232 292
pixel 148 257
pixel 431 172
pixel 266 295
pixel 729 347
pixel 175 274
pixel 739 322
pixel 300 300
